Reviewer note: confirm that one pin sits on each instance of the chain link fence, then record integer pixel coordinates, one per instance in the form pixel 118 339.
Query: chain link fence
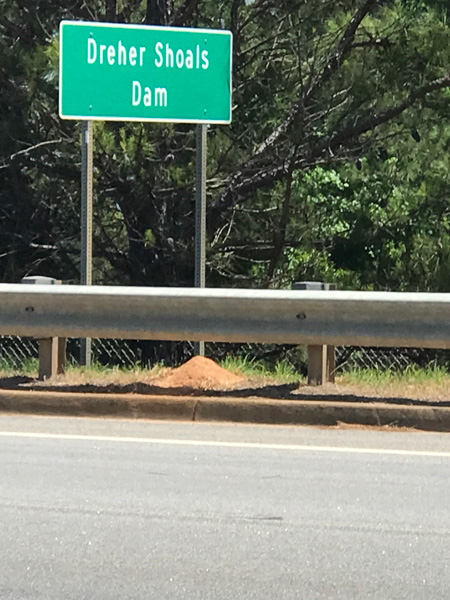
pixel 15 352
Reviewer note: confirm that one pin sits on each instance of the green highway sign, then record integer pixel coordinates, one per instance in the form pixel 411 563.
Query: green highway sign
pixel 115 72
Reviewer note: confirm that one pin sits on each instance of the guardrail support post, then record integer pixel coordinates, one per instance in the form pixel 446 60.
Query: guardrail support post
pixel 321 365
pixel 62 356
pixel 48 358
pixel 52 351
pixel 321 358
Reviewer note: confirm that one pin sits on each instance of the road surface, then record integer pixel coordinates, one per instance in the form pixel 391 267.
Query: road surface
pixel 110 509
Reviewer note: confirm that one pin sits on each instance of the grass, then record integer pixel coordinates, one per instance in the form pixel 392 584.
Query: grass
pixel 410 376
pixel 282 371
pixel 101 374
pixel 29 368
pixel 76 375
pixel 413 382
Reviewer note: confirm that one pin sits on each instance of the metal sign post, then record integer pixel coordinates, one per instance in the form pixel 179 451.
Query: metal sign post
pixel 200 216
pixel 86 222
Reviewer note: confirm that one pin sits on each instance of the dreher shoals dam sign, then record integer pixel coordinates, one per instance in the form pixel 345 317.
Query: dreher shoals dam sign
pixel 120 72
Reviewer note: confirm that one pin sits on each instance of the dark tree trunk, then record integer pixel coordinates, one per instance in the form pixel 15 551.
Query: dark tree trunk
pixel 159 12
pixel 111 11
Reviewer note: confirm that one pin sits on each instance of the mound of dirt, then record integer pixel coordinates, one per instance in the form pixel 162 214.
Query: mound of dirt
pixel 198 372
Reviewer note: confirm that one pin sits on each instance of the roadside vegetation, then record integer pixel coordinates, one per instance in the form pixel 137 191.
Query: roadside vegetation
pixel 413 382
pixel 78 375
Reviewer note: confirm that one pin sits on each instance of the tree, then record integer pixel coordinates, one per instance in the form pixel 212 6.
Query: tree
pixel 321 87
pixel 348 84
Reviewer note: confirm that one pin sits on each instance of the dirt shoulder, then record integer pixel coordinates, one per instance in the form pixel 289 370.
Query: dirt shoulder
pixel 202 377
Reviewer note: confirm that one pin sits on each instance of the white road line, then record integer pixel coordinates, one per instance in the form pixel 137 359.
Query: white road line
pixel 253 445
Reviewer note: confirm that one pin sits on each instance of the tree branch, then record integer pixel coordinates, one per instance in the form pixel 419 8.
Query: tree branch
pixel 343 48
pixel 280 235
pixel 384 116
pixel 345 44
pixel 30 149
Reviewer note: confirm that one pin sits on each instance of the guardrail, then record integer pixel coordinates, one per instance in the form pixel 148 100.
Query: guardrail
pixel 227 315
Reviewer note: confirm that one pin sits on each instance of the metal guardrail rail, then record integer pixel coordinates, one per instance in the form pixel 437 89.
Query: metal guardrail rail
pixel 227 315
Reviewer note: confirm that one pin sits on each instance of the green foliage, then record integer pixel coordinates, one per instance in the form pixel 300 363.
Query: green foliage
pixel 411 376
pixel 9 368
pixel 280 371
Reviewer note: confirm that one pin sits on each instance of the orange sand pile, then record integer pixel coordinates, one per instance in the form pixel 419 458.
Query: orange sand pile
pixel 199 372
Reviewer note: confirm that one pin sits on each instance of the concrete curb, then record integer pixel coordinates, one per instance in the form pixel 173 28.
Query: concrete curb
pixel 98 405
pixel 238 410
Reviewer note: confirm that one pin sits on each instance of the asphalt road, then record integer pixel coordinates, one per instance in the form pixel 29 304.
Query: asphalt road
pixel 108 509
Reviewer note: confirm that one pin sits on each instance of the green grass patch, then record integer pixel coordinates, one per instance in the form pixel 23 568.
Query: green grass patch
pixel 96 371
pixel 10 368
pixel 412 375
pixel 251 368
